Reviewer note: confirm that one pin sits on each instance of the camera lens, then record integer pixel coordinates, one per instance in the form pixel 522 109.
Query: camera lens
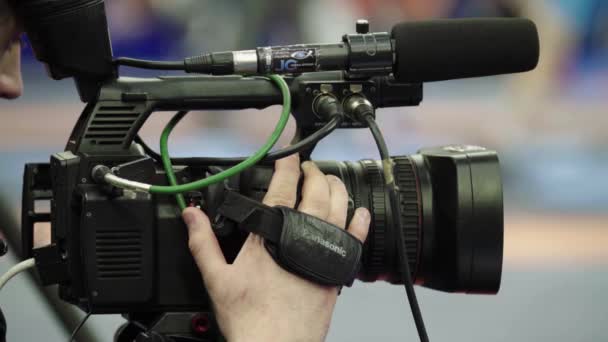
pixel 452 217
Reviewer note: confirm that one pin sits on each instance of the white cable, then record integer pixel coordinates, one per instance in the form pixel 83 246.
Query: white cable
pixel 13 271
pixel 112 179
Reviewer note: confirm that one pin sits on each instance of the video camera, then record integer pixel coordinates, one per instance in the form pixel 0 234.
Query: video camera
pixel 119 249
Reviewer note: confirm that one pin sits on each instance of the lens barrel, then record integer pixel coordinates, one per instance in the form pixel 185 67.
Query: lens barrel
pixel 452 217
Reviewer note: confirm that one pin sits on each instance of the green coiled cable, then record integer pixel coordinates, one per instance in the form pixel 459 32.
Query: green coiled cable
pixel 175 189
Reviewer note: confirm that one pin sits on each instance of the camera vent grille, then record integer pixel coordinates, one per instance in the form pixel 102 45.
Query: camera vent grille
pixel 119 254
pixel 111 124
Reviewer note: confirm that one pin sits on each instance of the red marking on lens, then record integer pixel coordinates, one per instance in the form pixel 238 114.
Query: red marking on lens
pixel 201 323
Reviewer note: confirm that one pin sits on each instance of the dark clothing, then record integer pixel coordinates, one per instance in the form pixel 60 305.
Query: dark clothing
pixel 2 327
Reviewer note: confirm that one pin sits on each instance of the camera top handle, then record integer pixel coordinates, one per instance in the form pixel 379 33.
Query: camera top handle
pixel 108 125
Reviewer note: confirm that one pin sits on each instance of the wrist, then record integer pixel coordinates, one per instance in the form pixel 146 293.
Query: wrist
pixel 274 336
pixel 257 338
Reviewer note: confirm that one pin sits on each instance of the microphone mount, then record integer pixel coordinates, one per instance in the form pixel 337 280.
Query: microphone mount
pixel 369 53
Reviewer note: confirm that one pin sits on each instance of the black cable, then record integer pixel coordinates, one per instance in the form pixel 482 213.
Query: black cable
pixel 271 157
pixel 394 203
pixel 146 64
pixel 307 142
pixel 378 137
pixel 149 151
pixel 75 332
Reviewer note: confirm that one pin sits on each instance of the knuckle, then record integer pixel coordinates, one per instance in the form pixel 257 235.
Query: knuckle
pixel 337 186
pixel 203 221
pixel 318 203
pixel 281 199
pixel 288 165
pixel 338 221
pixel 316 183
pixel 317 207
pixel 334 180
pixel 291 174
pixel 194 245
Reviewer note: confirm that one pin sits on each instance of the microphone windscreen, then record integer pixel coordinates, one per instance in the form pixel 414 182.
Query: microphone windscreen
pixel 447 49
pixel 71 37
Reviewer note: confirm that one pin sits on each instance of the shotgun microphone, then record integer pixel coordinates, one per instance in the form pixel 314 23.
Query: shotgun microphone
pixel 419 51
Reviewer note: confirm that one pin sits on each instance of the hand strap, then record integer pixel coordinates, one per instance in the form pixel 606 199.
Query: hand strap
pixel 302 244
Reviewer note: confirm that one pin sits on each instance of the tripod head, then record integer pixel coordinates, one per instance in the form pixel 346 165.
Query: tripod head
pixel 169 327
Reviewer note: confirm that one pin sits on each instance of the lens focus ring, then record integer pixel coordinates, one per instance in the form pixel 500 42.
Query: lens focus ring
pixel 376 262
pixel 410 210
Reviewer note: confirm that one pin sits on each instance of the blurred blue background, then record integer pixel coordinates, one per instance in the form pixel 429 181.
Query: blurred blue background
pixel 549 126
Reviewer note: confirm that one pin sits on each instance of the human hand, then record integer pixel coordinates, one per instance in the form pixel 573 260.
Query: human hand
pixel 254 298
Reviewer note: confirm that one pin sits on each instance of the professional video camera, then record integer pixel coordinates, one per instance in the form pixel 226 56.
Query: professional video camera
pixel 118 242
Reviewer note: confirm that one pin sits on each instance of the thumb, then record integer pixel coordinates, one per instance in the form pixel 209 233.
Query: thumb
pixel 203 244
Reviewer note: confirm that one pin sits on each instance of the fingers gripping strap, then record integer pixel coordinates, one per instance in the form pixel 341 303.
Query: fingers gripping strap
pixel 252 216
pixel 315 248
pixel 302 244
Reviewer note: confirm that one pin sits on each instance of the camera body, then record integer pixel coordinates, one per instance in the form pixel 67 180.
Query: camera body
pixel 122 251
pixel 118 251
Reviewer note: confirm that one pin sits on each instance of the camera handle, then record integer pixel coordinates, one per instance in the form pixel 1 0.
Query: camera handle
pixel 109 125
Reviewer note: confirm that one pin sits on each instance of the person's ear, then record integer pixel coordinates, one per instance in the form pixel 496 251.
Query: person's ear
pixel 11 83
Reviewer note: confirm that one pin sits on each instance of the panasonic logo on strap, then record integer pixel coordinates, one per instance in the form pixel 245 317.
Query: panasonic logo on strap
pixel 332 247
